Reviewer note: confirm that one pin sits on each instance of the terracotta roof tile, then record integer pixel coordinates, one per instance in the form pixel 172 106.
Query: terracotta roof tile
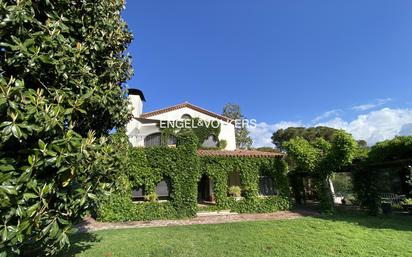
pixel 183 105
pixel 238 153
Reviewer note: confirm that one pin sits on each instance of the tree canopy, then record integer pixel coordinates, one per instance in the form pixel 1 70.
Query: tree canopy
pixel 61 75
pixel 321 158
pixel 243 140
pixel 391 150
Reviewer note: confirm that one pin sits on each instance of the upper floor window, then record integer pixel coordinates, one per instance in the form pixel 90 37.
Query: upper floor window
pixel 186 117
pixel 154 139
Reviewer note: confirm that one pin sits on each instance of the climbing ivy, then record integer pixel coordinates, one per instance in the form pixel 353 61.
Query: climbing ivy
pixel 184 167
pixel 202 130
pixel 219 168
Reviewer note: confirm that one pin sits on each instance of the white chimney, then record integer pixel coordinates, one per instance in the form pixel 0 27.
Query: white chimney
pixel 136 99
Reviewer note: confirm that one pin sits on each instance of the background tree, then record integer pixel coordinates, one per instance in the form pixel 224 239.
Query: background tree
pixel 243 140
pixel 61 72
pixel 321 158
pixel 310 134
pixel 386 168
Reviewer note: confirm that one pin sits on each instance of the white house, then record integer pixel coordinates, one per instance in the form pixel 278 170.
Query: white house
pixel 144 128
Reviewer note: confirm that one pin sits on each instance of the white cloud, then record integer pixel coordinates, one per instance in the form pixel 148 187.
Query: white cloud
pixel 262 133
pixel 328 114
pixel 373 126
pixel 368 106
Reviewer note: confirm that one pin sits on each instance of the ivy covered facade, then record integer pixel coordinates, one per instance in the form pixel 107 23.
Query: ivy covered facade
pixel 179 175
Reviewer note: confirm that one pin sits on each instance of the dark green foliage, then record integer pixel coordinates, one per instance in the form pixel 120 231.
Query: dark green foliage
pixel 387 162
pixel 117 207
pixel 320 159
pixel 219 168
pixel 365 186
pixel 201 129
pixel 62 67
pixel 148 166
pixel 184 168
pixel 310 134
pixel 261 205
pixel 391 150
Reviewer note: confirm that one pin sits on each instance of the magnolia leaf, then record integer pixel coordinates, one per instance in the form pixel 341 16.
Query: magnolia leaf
pixel 11 190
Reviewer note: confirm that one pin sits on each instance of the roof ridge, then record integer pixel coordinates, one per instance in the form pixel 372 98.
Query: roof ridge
pixel 189 105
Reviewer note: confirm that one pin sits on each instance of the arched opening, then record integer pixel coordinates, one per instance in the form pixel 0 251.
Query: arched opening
pixel 164 188
pixel 186 117
pixel 154 139
pixel 211 141
pixel 205 190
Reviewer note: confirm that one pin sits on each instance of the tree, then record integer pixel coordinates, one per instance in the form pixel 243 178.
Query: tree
pixel 310 134
pixel 243 140
pixel 61 75
pixel 321 158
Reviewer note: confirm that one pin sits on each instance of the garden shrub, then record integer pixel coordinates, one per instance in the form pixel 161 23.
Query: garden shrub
pixel 261 205
pixel 62 67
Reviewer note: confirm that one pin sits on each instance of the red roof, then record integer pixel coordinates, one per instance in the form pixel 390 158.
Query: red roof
pixel 238 153
pixel 183 105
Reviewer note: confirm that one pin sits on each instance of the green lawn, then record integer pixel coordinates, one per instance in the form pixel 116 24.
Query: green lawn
pixel 341 235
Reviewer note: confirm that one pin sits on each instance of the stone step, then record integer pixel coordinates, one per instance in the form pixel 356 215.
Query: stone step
pixel 216 213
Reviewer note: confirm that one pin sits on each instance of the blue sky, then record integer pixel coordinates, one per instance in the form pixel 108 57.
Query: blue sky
pixel 346 64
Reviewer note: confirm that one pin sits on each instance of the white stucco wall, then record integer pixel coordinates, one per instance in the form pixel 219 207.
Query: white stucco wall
pixel 138 131
pixel 227 130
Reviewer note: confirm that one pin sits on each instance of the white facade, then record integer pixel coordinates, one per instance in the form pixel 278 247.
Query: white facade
pixel 145 124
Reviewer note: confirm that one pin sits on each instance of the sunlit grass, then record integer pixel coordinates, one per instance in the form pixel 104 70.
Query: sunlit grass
pixel 341 235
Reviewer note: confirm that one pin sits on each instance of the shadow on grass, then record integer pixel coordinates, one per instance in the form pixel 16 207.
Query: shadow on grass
pixel 80 242
pixel 401 222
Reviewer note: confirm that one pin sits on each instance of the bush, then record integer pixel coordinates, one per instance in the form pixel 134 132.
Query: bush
pixel 407 201
pixel 62 67
pixel 152 197
pixel 261 205
pixel 235 191
pixel 120 208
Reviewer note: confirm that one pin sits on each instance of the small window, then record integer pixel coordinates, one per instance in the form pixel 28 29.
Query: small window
pixel 186 117
pixel 163 189
pixel 234 179
pixel 266 186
